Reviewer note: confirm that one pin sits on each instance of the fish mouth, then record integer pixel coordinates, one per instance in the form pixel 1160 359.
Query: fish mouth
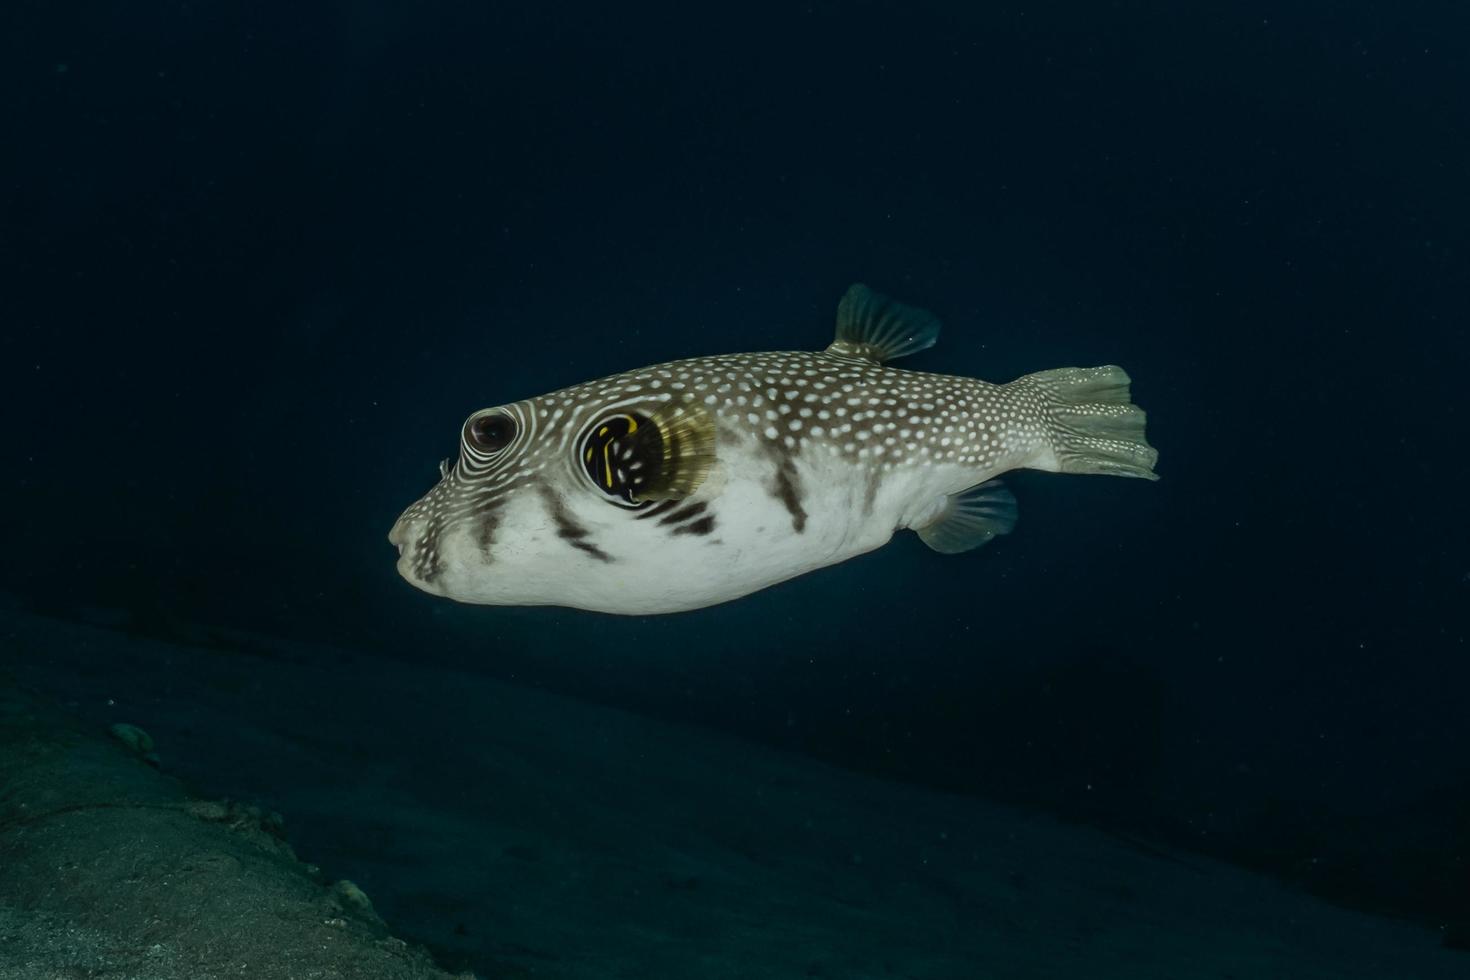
pixel 401 537
pixel 398 535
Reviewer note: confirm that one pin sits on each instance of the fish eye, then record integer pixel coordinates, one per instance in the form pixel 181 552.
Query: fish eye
pixel 490 433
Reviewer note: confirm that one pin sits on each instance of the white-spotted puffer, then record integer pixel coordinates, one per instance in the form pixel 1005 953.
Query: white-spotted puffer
pixel 695 482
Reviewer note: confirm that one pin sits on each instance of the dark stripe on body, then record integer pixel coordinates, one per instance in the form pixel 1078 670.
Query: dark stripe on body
pixel 693 510
pixel 568 529
pixel 703 526
pixel 874 478
pixel 485 536
pixel 656 509
pixel 430 568
pixel 787 488
pixel 591 549
pixel 789 493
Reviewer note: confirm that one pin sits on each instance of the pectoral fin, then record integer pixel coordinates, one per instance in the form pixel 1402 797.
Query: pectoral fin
pixel 685 445
pixel 971 518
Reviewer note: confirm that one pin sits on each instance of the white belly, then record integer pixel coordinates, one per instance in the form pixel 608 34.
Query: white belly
pixel 848 510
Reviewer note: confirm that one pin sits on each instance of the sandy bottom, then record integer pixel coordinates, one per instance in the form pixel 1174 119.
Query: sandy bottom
pixel 520 834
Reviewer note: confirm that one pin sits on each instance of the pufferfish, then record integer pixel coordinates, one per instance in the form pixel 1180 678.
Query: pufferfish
pixel 695 482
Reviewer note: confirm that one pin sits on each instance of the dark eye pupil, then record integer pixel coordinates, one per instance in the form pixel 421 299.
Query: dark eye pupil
pixel 492 433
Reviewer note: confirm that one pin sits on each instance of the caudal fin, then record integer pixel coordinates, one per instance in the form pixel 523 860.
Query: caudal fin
pixel 1095 428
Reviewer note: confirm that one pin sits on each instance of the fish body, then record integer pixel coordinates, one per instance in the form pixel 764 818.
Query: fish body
pixel 691 483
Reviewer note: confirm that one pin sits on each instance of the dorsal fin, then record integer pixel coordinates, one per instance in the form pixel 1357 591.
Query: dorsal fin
pixel 875 328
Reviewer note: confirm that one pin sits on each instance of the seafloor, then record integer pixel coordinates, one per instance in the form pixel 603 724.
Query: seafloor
pixel 520 834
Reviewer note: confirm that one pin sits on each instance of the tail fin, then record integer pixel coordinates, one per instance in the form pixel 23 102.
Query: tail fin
pixel 1094 427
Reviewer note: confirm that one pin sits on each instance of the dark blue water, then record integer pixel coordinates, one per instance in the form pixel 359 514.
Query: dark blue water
pixel 260 261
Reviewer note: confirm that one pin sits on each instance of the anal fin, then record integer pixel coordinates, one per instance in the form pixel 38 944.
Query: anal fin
pixel 971 518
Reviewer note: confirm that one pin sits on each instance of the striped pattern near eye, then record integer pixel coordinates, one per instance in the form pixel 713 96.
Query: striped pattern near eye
pixel 488 437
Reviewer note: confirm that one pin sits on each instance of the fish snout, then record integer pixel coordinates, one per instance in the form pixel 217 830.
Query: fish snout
pixel 418 560
pixel 398 536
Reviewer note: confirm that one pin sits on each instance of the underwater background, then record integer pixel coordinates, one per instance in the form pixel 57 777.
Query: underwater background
pixel 261 260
